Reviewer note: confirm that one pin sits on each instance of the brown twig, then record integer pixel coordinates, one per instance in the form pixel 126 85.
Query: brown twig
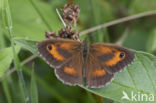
pixel 121 20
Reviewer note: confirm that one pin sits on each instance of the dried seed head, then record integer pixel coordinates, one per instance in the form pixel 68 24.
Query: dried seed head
pixel 70 13
pixel 50 35
pixel 70 17
pixel 67 32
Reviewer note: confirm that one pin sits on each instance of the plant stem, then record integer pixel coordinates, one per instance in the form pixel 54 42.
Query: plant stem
pixel 6 91
pixel 121 20
pixel 15 59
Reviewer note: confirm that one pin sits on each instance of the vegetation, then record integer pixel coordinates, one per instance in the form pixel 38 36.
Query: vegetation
pixel 26 78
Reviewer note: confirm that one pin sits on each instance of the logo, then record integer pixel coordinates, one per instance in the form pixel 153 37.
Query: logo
pixel 138 96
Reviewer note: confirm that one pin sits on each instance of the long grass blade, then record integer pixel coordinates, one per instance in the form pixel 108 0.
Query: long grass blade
pixel 8 24
pixel 33 89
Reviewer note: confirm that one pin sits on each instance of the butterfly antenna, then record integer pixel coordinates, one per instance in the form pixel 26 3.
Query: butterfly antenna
pixel 61 18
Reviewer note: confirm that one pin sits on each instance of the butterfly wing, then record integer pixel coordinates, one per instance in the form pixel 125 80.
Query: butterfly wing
pixel 71 71
pixel 95 74
pixel 103 61
pixel 57 51
pixel 65 55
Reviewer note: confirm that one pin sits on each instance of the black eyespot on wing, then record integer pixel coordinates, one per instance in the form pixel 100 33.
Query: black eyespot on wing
pixel 122 54
pixel 49 47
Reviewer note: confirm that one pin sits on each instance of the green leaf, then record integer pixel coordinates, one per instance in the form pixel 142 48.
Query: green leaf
pixel 30 21
pixel 33 89
pixel 2 40
pixel 27 44
pixel 6 57
pixel 139 78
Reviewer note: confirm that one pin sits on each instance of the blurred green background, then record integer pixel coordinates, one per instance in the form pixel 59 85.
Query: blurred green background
pixel 31 18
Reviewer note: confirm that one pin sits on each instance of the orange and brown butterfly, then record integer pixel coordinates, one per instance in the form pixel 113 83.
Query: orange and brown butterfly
pixel 76 62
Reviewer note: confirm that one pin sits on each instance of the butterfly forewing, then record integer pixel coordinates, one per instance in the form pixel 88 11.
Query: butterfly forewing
pixel 57 51
pixel 112 57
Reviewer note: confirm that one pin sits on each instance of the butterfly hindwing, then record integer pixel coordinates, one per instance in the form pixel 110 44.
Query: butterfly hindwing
pixel 96 75
pixel 71 71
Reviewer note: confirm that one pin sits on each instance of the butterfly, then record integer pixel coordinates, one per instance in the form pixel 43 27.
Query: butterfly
pixel 78 63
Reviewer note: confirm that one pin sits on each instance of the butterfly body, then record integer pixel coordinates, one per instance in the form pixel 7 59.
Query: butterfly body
pixel 76 61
